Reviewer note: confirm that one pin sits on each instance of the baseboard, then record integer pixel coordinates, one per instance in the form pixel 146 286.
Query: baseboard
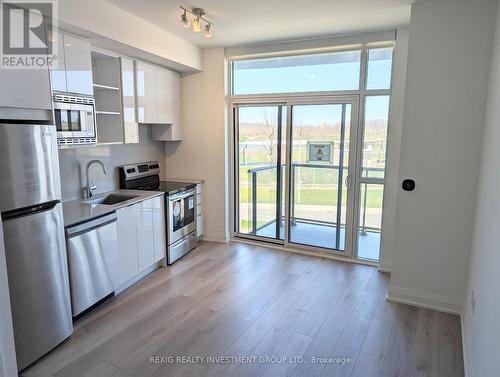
pixel 424 300
pixel 465 348
pixel 216 237
pixel 385 267
pixel 319 254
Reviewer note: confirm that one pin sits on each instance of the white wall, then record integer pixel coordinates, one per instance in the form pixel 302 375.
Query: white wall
pixel 447 76
pixel 72 162
pixel 391 187
pixel 481 327
pixel 202 153
pixel 8 364
pixel 114 28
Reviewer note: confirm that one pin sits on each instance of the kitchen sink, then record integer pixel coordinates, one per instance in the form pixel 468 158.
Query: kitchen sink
pixel 111 199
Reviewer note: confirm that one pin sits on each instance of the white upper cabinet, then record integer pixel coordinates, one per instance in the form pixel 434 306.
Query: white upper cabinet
pixel 25 89
pixel 147 107
pixel 175 133
pixel 170 130
pixel 78 65
pixel 130 122
pixel 58 71
pixel 74 66
pixel 164 102
pixel 158 100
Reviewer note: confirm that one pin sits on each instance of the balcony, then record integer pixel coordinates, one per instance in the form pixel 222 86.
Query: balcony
pixel 316 208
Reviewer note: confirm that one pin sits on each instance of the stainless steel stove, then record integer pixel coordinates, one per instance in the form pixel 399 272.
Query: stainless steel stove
pixel 180 203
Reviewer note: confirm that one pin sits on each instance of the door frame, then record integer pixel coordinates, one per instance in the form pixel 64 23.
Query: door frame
pixel 352 100
pixel 288 102
pixel 234 168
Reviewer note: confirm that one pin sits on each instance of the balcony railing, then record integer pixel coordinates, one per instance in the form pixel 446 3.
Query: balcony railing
pixel 253 174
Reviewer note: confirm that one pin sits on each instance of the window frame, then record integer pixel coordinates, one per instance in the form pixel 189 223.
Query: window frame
pixel 363 74
pixel 362 93
pixel 286 94
pixel 365 85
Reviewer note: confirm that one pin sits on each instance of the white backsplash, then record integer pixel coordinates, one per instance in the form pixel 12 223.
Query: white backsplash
pixel 72 163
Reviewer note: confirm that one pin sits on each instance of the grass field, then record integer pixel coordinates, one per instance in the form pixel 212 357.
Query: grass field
pixel 313 196
pixel 318 187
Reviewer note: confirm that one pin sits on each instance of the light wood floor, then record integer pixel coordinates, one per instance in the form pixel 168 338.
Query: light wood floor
pixel 241 300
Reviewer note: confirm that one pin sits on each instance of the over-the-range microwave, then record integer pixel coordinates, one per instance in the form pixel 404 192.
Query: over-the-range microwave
pixel 75 119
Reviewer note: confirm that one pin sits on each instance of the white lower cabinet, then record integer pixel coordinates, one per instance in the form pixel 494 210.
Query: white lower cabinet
pixel 145 246
pixel 127 241
pixel 141 237
pixel 199 210
pixel 159 228
pixel 199 222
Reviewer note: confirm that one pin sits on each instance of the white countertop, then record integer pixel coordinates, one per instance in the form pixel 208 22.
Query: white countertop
pixel 77 211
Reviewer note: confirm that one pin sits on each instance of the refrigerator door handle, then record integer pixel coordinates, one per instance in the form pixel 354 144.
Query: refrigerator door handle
pixel 27 211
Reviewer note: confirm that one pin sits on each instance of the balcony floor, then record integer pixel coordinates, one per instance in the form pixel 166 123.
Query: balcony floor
pixel 321 235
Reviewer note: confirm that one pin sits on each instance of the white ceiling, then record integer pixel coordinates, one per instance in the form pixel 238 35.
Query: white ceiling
pixel 240 22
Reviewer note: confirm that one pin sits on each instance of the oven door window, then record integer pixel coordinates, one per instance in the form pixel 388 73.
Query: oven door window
pixel 188 210
pixel 183 212
pixel 177 216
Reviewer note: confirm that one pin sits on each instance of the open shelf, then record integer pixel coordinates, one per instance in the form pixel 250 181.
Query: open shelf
pixel 106 71
pixel 108 112
pixel 105 87
pixel 108 101
pixel 108 98
pixel 109 127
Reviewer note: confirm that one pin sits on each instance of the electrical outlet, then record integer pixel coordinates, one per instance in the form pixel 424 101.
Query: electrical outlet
pixel 473 302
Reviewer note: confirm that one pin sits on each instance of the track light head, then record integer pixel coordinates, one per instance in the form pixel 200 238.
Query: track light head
pixel 208 32
pixel 184 20
pixel 196 25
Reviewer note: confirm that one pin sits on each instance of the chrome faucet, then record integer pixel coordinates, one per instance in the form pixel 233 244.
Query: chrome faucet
pixel 91 186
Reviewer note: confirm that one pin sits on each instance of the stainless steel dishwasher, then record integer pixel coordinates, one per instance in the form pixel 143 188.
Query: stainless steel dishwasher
pixel 93 261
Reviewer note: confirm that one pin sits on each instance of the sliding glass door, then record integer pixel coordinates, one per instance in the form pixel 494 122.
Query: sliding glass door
pixel 259 170
pixel 321 203
pixel 293 172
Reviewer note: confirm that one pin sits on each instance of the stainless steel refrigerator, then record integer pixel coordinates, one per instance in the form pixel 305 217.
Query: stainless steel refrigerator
pixel 33 226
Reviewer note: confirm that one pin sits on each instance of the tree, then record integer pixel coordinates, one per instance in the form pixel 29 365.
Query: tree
pixel 269 129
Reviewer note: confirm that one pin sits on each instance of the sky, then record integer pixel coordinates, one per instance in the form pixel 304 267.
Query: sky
pixel 337 72
pixel 377 107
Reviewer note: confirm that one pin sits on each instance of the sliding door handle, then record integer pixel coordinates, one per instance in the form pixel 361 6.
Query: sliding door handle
pixel 348 181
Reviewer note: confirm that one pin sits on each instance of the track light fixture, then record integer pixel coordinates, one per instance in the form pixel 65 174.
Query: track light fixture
pixel 196 23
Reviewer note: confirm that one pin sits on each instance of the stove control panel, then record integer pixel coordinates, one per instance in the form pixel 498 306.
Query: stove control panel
pixel 139 170
pixel 143 168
